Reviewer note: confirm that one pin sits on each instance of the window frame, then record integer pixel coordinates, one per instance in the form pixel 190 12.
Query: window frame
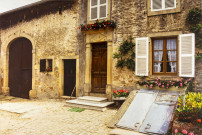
pixel 163 6
pixel 98 9
pixel 164 57
pixel 48 63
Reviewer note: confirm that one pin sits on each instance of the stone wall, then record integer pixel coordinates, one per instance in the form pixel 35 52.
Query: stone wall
pixel 55 36
pixel 133 20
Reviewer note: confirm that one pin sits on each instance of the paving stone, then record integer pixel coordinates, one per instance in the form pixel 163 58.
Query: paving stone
pixel 50 117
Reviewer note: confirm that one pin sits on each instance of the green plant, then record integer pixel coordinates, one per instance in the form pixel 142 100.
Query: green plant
pixel 126 55
pixel 194 16
pixel 130 64
pixel 120 63
pixel 195 24
pixel 120 93
pixel 192 108
pixel 198 57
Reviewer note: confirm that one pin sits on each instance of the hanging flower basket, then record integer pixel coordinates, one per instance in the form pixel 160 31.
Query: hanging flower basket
pixel 109 24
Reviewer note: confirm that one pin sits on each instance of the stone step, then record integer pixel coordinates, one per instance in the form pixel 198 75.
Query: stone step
pixel 94 99
pixel 98 94
pixel 101 106
pixel 68 97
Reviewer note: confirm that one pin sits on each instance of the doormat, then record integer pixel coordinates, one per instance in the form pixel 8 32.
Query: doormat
pixel 76 110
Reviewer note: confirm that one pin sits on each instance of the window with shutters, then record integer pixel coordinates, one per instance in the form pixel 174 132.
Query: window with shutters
pixel 164 56
pixel 98 9
pixel 157 5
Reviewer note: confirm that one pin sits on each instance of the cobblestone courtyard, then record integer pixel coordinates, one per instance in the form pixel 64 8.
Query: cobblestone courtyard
pixel 51 117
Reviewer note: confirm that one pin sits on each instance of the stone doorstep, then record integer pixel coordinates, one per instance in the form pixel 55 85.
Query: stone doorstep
pixel 67 97
pixel 90 98
pixel 119 131
pixel 97 94
pixel 94 104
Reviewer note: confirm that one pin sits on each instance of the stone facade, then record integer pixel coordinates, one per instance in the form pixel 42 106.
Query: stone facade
pixel 53 36
pixel 133 19
pixel 56 36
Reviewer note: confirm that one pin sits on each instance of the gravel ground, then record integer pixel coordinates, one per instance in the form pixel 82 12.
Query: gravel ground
pixel 51 117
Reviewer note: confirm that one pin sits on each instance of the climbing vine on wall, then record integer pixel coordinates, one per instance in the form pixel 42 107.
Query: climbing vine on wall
pixel 126 55
pixel 194 20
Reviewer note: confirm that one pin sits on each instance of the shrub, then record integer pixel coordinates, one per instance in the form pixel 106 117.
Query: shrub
pixel 192 108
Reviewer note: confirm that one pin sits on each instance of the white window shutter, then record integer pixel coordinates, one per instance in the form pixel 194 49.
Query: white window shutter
pixel 142 56
pixel 187 55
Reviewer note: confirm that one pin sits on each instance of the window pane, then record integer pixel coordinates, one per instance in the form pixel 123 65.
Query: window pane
pixel 158 55
pixel 171 44
pixel 103 1
pixel 171 67
pixel 50 64
pixel 158 44
pixel 158 67
pixel 102 11
pixel 169 3
pixel 93 2
pixel 94 13
pixel 157 4
pixel 171 55
pixel 42 65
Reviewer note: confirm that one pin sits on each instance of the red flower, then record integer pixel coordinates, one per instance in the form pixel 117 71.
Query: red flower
pixel 79 27
pixel 198 120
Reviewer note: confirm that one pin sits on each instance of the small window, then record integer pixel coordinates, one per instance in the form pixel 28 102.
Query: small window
pixel 165 56
pixel 98 9
pixel 46 65
pixel 157 5
pixel 42 65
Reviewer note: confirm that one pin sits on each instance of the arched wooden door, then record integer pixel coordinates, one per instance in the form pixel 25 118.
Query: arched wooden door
pixel 20 68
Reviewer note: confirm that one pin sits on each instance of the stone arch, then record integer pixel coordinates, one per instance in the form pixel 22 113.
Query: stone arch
pixel 5 58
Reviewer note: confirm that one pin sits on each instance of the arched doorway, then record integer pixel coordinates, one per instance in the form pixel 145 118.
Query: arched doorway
pixel 20 67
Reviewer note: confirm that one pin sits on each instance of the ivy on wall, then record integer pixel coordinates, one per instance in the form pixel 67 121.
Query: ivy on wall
pixel 126 55
pixel 194 20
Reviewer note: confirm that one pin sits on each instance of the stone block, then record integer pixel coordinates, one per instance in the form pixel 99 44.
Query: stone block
pixel 32 94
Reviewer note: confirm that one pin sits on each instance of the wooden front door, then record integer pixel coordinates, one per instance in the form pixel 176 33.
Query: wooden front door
pixel 69 77
pixel 20 68
pixel 99 67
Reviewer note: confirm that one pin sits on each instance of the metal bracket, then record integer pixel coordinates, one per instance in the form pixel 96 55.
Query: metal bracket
pixel 137 125
pixel 148 126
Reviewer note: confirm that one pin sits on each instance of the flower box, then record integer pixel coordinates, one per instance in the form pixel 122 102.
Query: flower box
pixel 158 88
pixel 118 98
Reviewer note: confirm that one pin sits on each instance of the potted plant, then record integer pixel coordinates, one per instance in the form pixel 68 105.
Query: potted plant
pixel 120 94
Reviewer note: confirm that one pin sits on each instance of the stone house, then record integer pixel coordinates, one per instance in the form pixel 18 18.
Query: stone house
pixel 33 40
pixel 165 46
